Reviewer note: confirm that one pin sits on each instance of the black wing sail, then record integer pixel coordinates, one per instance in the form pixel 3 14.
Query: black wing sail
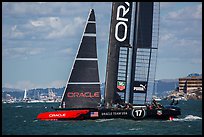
pixel 144 55
pixel 83 87
pixel 116 70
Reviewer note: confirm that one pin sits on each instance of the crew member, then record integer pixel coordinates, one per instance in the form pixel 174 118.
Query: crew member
pixel 156 104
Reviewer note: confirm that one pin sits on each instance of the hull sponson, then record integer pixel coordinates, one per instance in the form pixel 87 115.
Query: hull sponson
pixel 57 115
pixel 136 114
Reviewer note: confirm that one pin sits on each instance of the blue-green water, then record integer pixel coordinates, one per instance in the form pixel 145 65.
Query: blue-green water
pixel 20 119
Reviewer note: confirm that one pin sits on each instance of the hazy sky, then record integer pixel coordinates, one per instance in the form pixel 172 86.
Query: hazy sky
pixel 40 40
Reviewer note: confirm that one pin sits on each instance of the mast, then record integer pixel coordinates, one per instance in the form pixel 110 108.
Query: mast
pixel 83 86
pixel 116 70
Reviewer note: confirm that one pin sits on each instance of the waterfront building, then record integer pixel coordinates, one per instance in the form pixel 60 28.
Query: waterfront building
pixel 191 82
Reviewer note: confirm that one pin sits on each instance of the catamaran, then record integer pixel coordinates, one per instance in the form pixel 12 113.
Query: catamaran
pixel 130 72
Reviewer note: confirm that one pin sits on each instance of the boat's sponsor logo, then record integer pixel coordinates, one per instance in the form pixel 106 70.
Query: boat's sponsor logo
pixel 83 95
pixel 159 112
pixel 121 85
pixel 113 113
pixel 140 88
pixel 57 115
pixel 138 113
pixel 120 16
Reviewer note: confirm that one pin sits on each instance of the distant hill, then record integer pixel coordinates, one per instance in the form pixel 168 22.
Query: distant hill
pixel 163 86
pixel 4 89
pixel 18 93
pixel 166 85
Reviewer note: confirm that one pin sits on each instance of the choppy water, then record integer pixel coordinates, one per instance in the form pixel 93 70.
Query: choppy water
pixel 20 119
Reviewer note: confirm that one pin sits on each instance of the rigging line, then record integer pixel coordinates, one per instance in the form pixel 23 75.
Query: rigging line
pixel 148 73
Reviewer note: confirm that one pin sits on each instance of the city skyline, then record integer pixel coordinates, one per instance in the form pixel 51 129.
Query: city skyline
pixel 40 41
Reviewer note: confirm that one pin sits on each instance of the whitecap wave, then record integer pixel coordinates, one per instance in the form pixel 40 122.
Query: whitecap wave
pixel 35 120
pixel 19 106
pixel 188 118
pixel 135 129
pixel 103 120
pixel 18 116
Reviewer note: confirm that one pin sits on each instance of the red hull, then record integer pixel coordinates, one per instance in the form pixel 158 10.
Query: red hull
pixel 137 113
pixel 57 115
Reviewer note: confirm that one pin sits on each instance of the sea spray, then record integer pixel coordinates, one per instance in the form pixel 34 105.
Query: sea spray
pixel 188 118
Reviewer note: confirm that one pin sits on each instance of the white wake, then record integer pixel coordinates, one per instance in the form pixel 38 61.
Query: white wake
pixel 103 120
pixel 135 129
pixel 188 118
